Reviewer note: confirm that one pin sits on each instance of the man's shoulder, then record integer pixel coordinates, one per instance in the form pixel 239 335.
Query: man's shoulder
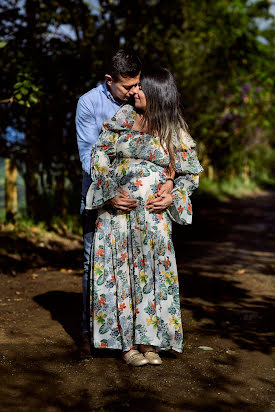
pixel 92 94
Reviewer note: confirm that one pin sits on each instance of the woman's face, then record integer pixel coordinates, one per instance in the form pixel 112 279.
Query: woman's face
pixel 140 100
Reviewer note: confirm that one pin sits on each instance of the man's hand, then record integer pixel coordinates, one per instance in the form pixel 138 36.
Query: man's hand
pixel 123 202
pixel 159 203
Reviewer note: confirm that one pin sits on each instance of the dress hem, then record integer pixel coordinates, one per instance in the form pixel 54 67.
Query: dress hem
pixel 158 348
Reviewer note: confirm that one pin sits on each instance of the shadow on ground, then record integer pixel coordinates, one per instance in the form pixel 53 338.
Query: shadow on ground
pixel 226 263
pixel 19 254
pixel 50 381
pixel 209 257
pixel 65 307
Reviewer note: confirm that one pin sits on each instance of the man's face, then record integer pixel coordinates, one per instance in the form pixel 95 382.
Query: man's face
pixel 123 88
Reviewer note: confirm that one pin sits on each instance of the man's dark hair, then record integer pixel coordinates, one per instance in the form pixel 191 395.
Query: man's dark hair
pixel 125 64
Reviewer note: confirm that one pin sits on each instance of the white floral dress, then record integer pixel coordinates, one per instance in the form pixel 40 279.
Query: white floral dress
pixel 134 291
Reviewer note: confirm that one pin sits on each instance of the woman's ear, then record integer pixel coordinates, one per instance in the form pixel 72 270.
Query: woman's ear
pixel 108 79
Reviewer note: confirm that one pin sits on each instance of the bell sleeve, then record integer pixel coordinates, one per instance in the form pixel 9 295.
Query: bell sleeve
pixel 104 185
pixel 187 169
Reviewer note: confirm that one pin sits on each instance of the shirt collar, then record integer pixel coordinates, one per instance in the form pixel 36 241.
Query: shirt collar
pixel 109 94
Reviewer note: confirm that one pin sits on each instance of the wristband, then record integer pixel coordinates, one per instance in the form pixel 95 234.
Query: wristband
pixel 170 178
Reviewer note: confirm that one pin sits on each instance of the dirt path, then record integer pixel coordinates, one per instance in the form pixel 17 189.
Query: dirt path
pixel 226 262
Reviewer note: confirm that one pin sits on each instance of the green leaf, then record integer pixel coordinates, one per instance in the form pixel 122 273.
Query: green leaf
pixel 24 90
pixel 103 329
pixel 33 99
pixel 147 288
pixel 27 83
pixel 170 290
pixel 2 44
pixel 100 280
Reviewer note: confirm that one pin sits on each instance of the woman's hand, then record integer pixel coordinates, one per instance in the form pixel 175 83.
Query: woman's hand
pixel 123 202
pixel 160 203
pixel 166 188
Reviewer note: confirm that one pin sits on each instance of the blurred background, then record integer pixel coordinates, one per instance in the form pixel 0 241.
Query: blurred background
pixel 220 52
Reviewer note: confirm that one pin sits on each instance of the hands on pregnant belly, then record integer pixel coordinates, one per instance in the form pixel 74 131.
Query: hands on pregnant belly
pixel 140 183
pixel 159 203
pixel 123 201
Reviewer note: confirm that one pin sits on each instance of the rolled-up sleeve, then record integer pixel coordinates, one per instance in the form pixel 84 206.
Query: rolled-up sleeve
pixel 87 132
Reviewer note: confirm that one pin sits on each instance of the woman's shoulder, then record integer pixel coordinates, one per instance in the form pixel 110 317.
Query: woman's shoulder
pixel 122 120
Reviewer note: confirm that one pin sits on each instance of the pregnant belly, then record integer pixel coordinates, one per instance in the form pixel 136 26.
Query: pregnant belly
pixel 140 178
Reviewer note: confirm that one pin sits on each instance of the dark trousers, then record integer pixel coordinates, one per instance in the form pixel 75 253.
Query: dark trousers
pixel 88 218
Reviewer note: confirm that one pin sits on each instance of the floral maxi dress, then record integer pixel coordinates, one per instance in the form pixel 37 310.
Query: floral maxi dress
pixel 134 291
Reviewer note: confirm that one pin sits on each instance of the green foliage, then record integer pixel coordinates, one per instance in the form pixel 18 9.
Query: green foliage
pixel 68 223
pixel 223 63
pixel 226 188
pixel 261 169
pixel 25 92
pixel 220 52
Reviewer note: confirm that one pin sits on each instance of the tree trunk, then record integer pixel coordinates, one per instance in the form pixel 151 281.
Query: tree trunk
pixel 11 203
pixel 32 192
pixel 61 198
pixel 210 171
pixel 246 174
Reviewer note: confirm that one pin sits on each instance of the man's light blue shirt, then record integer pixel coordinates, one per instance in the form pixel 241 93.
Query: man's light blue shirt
pixel 93 108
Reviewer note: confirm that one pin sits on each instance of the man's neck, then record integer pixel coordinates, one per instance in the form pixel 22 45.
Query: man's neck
pixel 117 99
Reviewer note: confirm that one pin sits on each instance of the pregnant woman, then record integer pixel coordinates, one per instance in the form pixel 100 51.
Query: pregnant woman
pixel 135 305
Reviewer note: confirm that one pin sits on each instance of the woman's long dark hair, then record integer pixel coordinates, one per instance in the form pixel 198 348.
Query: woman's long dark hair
pixel 162 116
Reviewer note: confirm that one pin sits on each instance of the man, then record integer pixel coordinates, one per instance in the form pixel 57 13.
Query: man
pixel 93 108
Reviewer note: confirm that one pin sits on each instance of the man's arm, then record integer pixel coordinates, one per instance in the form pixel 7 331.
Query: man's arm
pixel 87 132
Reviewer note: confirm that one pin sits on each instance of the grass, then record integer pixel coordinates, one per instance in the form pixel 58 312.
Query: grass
pixel 234 188
pixel 39 231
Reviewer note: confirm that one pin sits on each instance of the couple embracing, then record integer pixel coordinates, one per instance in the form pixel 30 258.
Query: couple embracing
pixel 139 170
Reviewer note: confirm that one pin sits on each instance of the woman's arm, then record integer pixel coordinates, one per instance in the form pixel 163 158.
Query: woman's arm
pixel 178 203
pixel 104 187
pixel 187 170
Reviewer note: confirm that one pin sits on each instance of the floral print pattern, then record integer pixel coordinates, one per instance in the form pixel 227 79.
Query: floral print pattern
pixel 134 282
